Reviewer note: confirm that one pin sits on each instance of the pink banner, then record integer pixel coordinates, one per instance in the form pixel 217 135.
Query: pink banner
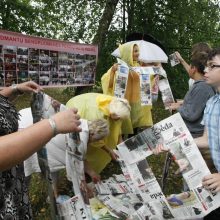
pixel 21 40
pixel 50 63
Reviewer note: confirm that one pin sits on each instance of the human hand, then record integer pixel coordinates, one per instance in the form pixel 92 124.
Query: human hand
pixel 114 67
pixel 67 121
pixel 29 86
pixel 179 57
pixel 94 176
pixel 180 101
pixel 174 106
pixel 212 182
pixel 159 149
pixel 113 154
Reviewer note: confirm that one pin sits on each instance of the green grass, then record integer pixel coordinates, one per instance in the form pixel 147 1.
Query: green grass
pixel 38 187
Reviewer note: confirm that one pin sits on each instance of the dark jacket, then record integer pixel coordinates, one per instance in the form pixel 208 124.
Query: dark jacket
pixel 194 105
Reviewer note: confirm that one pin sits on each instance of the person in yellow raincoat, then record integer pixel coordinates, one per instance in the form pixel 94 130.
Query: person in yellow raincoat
pixel 141 116
pixel 93 106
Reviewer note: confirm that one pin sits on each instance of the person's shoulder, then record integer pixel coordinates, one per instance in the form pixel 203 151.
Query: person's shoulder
pixel 204 86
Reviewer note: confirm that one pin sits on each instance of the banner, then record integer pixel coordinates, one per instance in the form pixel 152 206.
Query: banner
pixel 48 62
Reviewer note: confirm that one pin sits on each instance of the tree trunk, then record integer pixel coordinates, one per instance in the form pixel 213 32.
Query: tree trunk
pixel 130 11
pixel 105 22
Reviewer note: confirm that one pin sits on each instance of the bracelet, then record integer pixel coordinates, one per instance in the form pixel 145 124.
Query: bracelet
pixel 15 90
pixel 53 126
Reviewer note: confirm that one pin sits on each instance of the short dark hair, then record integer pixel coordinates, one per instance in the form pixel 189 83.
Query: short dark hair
pixel 199 61
pixel 200 47
pixel 214 52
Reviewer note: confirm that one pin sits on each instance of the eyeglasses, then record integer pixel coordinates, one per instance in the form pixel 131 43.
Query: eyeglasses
pixel 211 67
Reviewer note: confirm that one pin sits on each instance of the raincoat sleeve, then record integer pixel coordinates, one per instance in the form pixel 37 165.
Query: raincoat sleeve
pixel 108 82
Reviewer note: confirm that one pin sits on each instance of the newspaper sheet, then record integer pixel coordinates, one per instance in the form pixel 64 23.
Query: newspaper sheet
pixel 121 81
pixel 145 86
pixel 136 194
pixel 73 209
pixel 173 134
pixel 166 92
pixel 173 59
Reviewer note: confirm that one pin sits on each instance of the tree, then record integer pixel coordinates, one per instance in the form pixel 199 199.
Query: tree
pixel 104 22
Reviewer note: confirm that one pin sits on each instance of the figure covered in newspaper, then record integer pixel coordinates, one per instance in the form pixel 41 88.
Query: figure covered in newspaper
pixel 140 115
pixel 96 106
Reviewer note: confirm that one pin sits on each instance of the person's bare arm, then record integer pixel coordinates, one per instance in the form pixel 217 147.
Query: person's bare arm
pixel 16 147
pixel 183 62
pixel 202 142
pixel 91 172
pixel 11 92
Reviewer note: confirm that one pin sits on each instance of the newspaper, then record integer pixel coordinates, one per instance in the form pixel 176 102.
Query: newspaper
pixel 167 95
pixel 101 211
pixel 73 209
pixel 173 59
pixel 149 83
pixel 145 74
pixel 173 134
pixel 145 86
pixel 136 194
pixel 112 186
pixel 121 81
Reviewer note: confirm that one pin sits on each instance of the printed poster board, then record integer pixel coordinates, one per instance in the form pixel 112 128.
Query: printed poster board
pixel 50 63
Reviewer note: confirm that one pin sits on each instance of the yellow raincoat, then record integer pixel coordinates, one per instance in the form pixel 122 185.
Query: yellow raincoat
pixel 140 115
pixel 93 106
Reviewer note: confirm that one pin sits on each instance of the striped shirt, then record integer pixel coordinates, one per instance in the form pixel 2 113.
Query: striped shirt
pixel 211 120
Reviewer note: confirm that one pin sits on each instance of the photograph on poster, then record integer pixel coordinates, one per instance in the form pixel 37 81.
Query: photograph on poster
pixel 71 64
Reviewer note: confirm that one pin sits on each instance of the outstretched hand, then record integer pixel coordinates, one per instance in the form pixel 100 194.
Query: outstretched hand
pixel 67 121
pixel 212 182
pixel 179 57
pixel 174 106
pixel 113 155
pixel 29 86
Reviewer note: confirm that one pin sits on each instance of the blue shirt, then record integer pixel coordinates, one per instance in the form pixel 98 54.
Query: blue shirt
pixel 211 120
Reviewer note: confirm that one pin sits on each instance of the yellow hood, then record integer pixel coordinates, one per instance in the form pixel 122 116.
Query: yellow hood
pixel 126 53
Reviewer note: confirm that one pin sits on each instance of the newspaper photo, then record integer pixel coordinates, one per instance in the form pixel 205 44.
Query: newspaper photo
pixel 173 59
pixel 121 81
pixel 166 92
pixel 145 86
pixel 100 211
pixel 73 209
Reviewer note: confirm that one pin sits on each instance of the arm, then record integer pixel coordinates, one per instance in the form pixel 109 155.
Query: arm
pixel 108 79
pixel 202 142
pixel 183 62
pixel 16 147
pixel 11 92
pixel 88 169
pixel 111 153
pixel 112 75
